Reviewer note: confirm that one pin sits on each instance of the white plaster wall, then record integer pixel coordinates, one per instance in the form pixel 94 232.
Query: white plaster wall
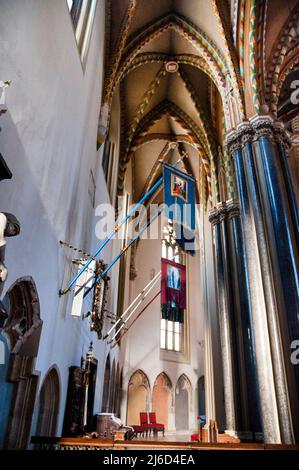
pixel 48 140
pixel 140 347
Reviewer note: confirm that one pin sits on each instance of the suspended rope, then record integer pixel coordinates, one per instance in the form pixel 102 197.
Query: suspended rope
pixel 123 251
pixel 136 302
pixel 78 250
pixel 115 230
pixel 110 237
pixel 135 319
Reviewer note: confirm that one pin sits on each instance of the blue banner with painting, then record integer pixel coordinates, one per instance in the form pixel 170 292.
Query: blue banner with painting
pixel 179 201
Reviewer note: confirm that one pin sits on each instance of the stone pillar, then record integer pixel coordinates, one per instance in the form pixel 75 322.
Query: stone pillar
pixel 208 346
pixel 214 402
pixel 250 423
pixel 271 144
pixel 235 323
pixel 217 218
pixel 260 252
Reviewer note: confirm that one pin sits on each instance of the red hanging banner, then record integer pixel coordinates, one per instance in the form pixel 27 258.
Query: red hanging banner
pixel 173 290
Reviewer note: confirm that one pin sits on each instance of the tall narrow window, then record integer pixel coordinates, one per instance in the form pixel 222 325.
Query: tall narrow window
pixel 82 13
pixel 171 332
pixel 74 7
pixel 108 166
pixel 92 188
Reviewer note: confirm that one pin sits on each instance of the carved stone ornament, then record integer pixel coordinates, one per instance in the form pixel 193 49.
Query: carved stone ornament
pixel 214 217
pixel 233 209
pixel 236 139
pixel 9 227
pixel 225 210
pixel 222 211
pixel 252 130
pixel 23 329
pixel 99 302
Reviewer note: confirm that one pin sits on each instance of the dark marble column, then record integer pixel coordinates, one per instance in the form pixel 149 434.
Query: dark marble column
pixel 283 143
pixel 217 218
pixel 267 335
pixel 250 422
pixel 281 218
pixel 235 323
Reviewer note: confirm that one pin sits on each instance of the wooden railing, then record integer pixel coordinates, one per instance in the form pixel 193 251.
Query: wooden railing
pixel 79 443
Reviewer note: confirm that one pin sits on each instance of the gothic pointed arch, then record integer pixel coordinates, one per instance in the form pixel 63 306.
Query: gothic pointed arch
pixel 138 396
pixel 23 329
pixel 48 405
pixel 118 389
pixel 112 388
pixel 283 58
pixel 162 398
pixel 176 113
pixel 183 395
pixel 106 386
pixel 185 28
pixel 23 326
pixel 207 49
pixel 144 58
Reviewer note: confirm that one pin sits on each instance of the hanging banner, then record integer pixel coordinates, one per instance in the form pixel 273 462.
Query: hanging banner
pixel 173 290
pixel 179 200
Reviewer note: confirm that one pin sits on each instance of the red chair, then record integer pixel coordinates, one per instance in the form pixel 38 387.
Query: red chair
pixel 138 430
pixel 156 427
pixel 144 423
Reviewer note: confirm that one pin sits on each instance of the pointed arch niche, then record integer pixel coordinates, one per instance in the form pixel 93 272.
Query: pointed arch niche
pixel 138 396
pixel 182 403
pixel 48 406
pixel 105 398
pixel 161 400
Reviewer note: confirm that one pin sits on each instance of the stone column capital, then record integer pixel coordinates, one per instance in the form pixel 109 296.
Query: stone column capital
pixel 218 214
pixel 224 210
pixel 266 126
pixel 233 209
pixel 237 138
pixel 256 127
pixel 214 216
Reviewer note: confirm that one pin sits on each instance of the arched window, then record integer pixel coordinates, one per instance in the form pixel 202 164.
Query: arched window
pixel 201 395
pixel 48 405
pixel 105 400
pixel 171 332
pixel 118 389
pixel 82 14
pixel 112 389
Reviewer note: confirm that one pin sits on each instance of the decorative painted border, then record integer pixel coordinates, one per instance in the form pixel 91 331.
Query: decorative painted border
pixel 277 57
pixel 176 113
pixel 195 36
pixel 220 10
pixel 252 55
pixel 109 81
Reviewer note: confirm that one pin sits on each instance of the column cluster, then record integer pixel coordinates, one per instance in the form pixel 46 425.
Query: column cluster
pixel 235 323
pixel 269 236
